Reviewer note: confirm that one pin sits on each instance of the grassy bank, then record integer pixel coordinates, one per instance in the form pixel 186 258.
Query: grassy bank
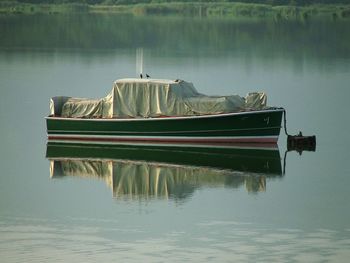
pixel 13 7
pixel 210 9
pixel 229 10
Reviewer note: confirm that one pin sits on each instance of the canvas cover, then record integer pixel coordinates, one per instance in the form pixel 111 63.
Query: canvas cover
pixel 83 108
pixel 56 105
pixel 132 98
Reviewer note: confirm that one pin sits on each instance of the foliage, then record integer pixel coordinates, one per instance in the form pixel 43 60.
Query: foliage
pixel 131 2
pixel 177 34
pixel 249 8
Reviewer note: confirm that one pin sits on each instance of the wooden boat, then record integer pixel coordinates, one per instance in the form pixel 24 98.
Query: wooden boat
pixel 162 112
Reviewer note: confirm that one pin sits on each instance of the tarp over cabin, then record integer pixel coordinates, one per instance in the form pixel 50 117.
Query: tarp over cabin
pixel 144 98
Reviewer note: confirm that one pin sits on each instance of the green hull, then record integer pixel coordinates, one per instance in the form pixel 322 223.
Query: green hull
pixel 253 126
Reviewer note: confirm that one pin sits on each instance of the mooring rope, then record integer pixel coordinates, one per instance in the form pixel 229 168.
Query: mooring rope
pixel 285 122
pixel 286 132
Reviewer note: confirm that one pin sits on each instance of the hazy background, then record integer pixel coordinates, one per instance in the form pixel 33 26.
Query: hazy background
pixel 303 66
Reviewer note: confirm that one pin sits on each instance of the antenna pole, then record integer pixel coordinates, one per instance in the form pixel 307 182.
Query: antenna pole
pixel 139 61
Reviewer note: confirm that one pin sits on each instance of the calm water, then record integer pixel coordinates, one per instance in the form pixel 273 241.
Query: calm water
pixel 301 216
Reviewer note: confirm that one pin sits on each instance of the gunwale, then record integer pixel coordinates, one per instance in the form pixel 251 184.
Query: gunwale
pixel 168 117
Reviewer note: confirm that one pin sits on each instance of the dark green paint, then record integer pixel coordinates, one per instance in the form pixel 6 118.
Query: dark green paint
pixel 229 125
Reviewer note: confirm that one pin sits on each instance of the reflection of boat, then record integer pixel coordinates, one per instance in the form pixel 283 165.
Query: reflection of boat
pixel 150 110
pixel 143 172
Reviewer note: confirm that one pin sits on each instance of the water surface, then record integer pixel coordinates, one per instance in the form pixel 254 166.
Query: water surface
pixel 302 215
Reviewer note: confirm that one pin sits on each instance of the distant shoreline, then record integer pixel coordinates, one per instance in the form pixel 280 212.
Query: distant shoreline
pixel 202 9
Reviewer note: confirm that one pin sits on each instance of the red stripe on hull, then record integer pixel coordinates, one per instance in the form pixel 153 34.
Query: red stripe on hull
pixel 168 140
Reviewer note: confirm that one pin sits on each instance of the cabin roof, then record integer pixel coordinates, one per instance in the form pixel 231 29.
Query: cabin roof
pixel 149 81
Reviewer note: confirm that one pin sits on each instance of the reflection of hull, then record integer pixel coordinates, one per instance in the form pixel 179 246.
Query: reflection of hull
pixel 140 171
pixel 237 157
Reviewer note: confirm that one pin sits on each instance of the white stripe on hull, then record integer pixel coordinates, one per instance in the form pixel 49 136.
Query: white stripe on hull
pixel 98 139
pixel 247 146
pixel 80 132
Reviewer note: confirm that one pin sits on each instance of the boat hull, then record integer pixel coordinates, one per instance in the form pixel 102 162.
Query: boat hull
pixel 244 127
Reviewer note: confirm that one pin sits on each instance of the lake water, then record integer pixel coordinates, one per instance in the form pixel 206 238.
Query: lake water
pixel 302 215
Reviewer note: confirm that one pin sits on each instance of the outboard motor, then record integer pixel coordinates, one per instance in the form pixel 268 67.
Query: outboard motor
pixel 301 143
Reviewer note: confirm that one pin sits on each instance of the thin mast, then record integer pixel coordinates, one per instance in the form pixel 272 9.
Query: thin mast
pixel 139 61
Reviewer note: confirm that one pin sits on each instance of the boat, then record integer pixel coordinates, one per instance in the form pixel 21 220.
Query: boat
pixel 142 172
pixel 163 112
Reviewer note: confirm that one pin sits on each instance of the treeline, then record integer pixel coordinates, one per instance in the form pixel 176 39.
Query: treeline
pixel 297 9
pixel 177 35
pixel 130 2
